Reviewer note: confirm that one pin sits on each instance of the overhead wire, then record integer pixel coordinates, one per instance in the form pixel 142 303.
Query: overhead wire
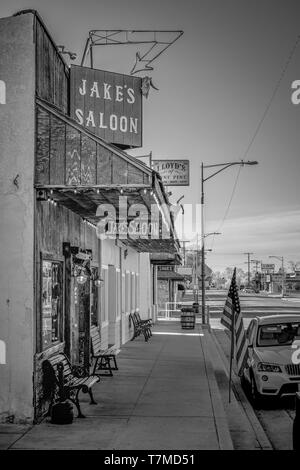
pixel 259 125
pixel 228 206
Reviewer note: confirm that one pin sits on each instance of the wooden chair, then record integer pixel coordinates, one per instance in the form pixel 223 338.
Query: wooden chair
pixel 102 357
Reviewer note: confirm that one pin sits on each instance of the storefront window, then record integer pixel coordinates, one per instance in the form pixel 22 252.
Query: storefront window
pixel 52 304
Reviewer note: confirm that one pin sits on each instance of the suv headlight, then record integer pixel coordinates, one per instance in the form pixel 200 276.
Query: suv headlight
pixel 264 367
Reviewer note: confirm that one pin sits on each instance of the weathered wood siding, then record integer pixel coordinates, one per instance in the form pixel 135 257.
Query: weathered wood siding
pixel 52 74
pixel 66 156
pixel 57 224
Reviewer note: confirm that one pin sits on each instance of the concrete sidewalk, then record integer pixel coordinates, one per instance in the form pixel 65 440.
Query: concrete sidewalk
pixel 164 396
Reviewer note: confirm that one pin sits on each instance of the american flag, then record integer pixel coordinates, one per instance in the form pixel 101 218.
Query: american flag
pixel 233 320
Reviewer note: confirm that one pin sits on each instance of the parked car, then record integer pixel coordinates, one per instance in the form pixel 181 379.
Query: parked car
pixel 248 290
pixel 272 341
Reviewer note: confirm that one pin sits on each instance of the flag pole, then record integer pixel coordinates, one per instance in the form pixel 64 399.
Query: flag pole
pixel 231 353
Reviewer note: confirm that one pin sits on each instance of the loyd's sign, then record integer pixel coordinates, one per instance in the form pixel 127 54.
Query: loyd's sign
pixel 108 104
pixel 173 172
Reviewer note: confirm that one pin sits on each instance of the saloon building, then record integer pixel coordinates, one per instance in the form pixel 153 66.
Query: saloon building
pixel 61 181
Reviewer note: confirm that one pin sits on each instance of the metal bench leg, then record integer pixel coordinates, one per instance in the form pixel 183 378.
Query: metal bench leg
pixel 134 334
pixel 115 362
pixel 76 403
pixel 108 366
pixel 145 335
pixel 104 365
pixel 92 402
pixel 95 366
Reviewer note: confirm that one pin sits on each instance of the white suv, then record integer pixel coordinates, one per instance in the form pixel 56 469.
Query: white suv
pixel 273 344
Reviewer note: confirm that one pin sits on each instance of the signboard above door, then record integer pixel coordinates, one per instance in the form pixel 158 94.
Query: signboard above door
pixel 173 172
pixel 107 104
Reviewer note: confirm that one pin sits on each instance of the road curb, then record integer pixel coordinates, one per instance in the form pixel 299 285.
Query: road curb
pixel 259 431
pixel 222 428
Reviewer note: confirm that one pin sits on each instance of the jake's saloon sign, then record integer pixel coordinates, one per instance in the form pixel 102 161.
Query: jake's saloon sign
pixel 108 104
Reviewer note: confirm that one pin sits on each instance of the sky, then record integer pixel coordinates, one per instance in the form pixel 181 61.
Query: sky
pixel 215 84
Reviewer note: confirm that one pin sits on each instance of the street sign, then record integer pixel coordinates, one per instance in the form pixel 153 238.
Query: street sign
pixel 165 268
pixel 268 267
pixel 173 172
pixel 107 104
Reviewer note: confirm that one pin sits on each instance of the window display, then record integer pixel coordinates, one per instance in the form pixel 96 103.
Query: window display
pixel 51 302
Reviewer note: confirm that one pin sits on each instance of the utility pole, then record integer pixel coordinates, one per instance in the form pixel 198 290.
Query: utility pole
pixel 248 254
pixel 202 246
pixel 221 167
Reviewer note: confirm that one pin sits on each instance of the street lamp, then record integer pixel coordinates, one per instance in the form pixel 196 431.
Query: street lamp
pixel 222 167
pixel 281 258
pixel 212 233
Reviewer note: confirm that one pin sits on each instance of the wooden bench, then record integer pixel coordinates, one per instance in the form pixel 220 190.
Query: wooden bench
pixel 102 357
pixel 139 328
pixel 68 380
pixel 146 321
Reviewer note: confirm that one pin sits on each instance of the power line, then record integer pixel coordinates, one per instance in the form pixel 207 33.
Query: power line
pixel 229 204
pixel 260 123
pixel 291 54
pixel 231 198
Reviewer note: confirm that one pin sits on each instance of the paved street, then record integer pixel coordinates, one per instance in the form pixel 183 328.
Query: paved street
pixel 251 305
pixel 275 416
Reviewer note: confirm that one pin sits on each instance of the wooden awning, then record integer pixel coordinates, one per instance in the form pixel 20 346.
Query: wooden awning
pixel 161 259
pixel 169 275
pixel 82 172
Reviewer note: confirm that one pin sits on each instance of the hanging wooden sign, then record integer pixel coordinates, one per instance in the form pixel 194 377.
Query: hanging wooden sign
pixel 173 172
pixel 107 104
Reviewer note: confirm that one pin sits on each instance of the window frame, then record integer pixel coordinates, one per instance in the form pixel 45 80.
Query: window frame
pixel 50 257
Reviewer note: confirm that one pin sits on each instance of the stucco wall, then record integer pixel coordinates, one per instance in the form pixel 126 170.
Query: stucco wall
pixel 17 70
